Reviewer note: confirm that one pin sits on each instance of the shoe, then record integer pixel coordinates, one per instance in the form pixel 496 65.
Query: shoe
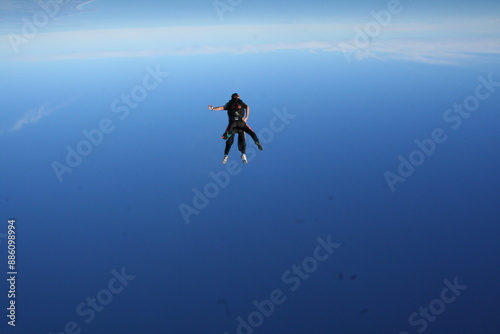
pixel 224 161
pixel 244 158
pixel 259 146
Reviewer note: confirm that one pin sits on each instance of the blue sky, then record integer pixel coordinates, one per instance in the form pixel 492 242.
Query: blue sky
pixel 411 30
pixel 338 100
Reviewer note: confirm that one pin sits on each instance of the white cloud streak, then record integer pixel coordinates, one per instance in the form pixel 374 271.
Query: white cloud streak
pixel 435 43
pixel 33 116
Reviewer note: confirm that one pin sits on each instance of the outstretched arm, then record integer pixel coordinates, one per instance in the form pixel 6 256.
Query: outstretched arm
pixel 216 108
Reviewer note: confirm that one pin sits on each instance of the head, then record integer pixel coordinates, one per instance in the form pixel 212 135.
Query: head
pixel 235 96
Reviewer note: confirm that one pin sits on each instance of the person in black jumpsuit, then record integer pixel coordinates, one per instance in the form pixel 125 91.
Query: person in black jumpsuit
pixel 238 113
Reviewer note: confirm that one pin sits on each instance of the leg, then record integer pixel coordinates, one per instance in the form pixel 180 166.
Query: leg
pixel 242 146
pixel 242 143
pixel 249 130
pixel 229 143
pixel 230 130
pixel 224 135
pixel 252 134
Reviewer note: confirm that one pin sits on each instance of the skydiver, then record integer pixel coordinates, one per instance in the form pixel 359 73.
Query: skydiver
pixel 238 113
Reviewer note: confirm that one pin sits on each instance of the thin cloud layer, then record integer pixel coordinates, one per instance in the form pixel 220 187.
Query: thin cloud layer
pixel 435 43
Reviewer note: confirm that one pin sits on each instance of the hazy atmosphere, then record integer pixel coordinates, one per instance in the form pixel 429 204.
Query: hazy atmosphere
pixel 373 207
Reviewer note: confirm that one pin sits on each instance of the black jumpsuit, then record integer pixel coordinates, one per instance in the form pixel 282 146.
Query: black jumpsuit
pixel 236 111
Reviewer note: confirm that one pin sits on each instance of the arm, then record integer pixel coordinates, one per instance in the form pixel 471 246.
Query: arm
pixel 216 108
pixel 247 113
